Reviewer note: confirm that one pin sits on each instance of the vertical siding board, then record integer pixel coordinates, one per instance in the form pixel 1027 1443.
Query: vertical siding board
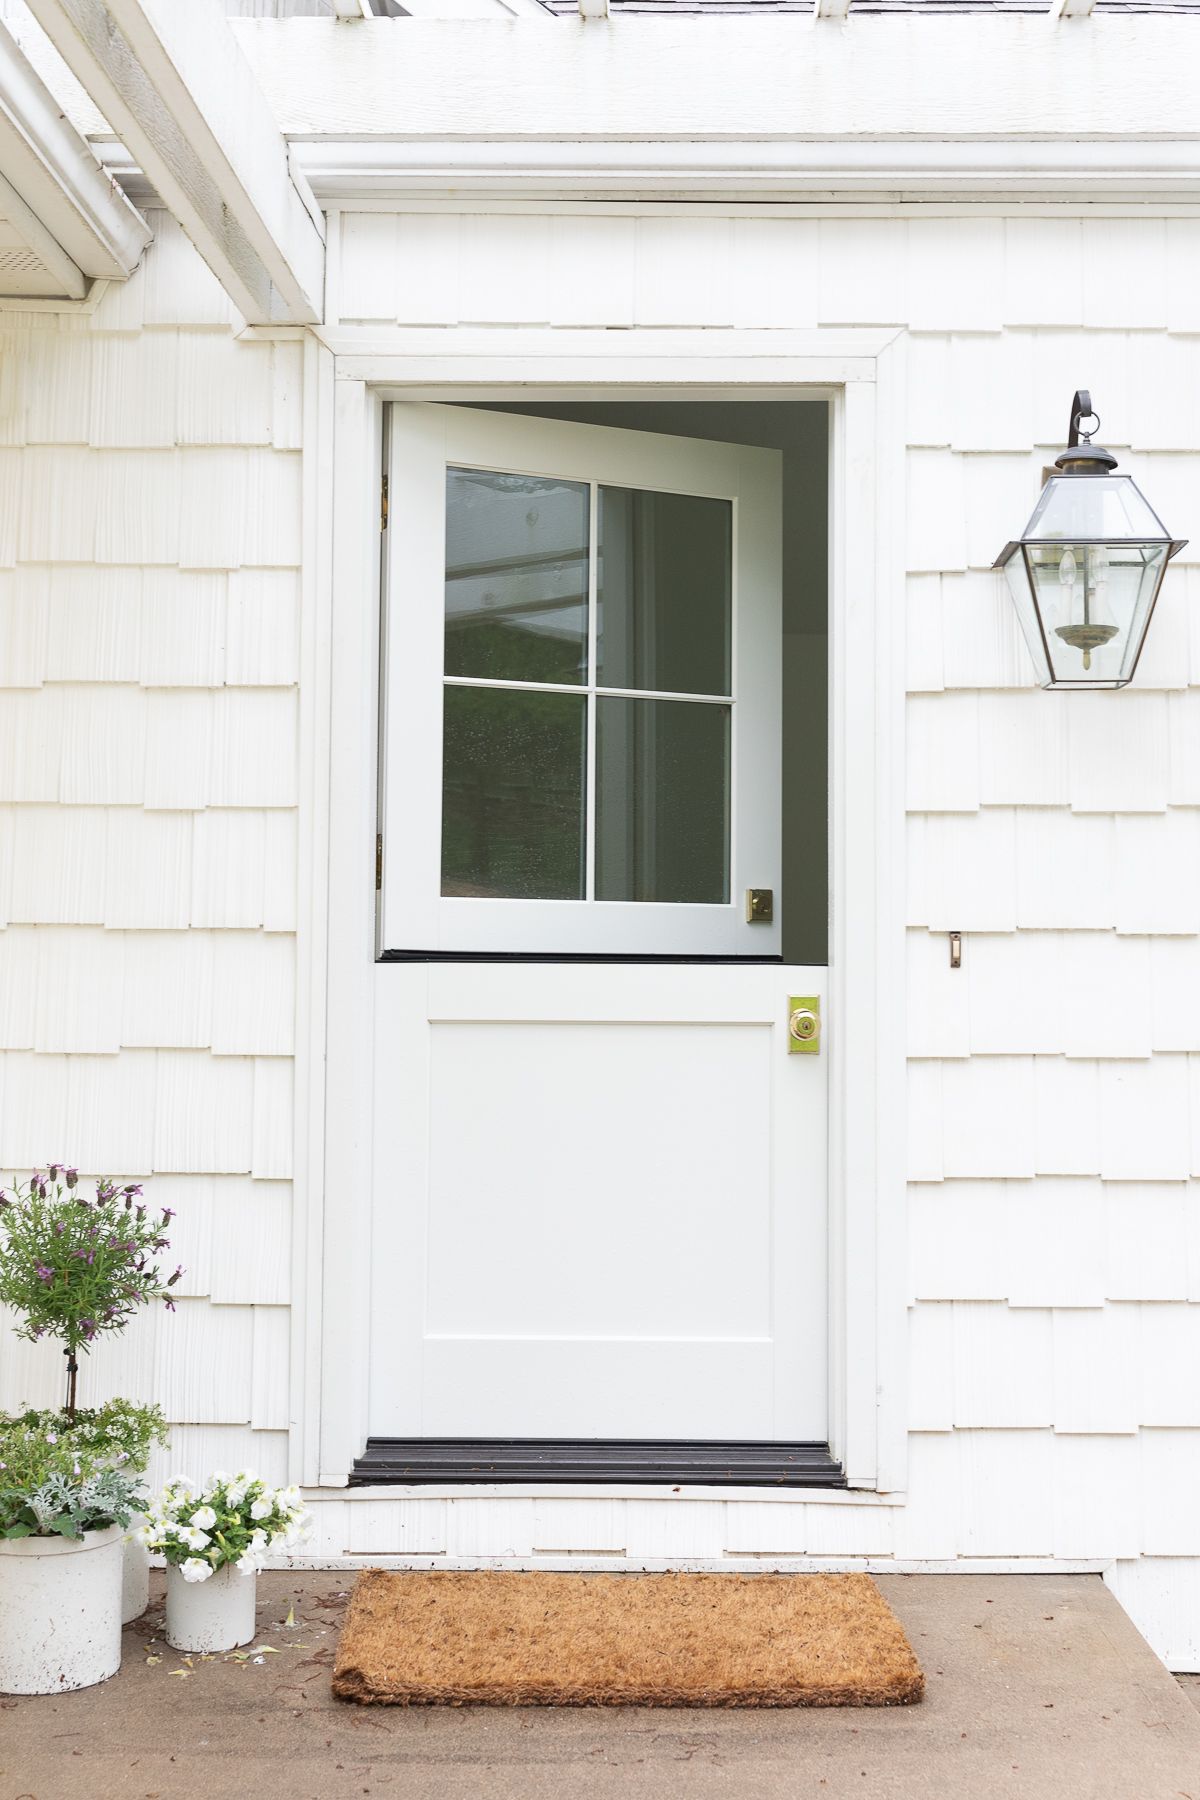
pixel 1097 1498
pixel 178 286
pixel 34 1092
pixel 31 744
pixel 955 274
pixel 1023 755
pixel 931 1367
pixel 1012 993
pixel 262 637
pixel 80 972
pixel 251 1242
pixel 1174 964
pixel 1063 1218
pixel 94 622
pixel 1031 248
pixel 936 511
pixel 433 275
pixel 57 854
pixel 658 1529
pixel 1095 1370
pixel 147 862
pixel 1067 1116
pixel 923 634
pixel 253 748
pixel 1093 967
pixel 227 868
pixel 1007 1493
pixel 203 1115
pixel 150 531
pixel 1170 1480
pixel 774 272
pixel 269 1374
pixel 133 392
pixel 1002 1361
pixel 24 627
pixel 279 872
pixel 863 272
pixel 225 393
pixel 684 272
pixel 254 994
pixel 943 753
pixel 961 1244
pixel 924 1135
pixel 582 1526
pixel 1167 1359
pixel 1118 770
pixel 939 1021
pixel 18 989
pixel 988 1116
pixel 1144 1131
pixel 102 746
pixel 183 630
pixel 1147 1240
pixel 371 285
pixel 964 872
pixel 179 730
pixel 594 262
pixel 1066 871
pixel 928 1524
pixel 273 1129
pixel 1133 252
pixel 168 990
pixel 506 269
pixel 287 395
pixel 110 1117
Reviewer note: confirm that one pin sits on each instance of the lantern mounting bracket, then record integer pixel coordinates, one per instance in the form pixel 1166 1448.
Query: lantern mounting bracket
pixel 1082 408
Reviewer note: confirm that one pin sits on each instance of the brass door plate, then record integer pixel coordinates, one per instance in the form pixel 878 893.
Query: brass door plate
pixel 760 906
pixel 804 1025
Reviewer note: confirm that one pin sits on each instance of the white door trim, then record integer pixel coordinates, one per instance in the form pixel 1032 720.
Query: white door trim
pixel 866 974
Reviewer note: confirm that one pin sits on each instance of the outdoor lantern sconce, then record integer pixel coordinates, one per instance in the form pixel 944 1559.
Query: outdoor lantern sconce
pixel 1085 575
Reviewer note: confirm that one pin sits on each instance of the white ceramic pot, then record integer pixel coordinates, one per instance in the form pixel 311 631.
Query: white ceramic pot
pixel 135 1577
pixel 217 1614
pixel 60 1611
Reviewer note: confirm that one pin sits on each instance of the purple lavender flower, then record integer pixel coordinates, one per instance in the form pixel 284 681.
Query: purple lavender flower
pixel 43 1273
pixel 171 1280
pixel 72 1176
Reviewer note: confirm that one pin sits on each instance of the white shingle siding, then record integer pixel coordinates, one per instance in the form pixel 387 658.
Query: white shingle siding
pixel 149 619
pixel 148 659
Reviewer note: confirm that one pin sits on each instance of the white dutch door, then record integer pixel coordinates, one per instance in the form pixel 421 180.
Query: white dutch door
pixel 599 1174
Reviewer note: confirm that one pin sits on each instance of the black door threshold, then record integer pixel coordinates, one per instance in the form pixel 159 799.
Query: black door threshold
pixel 415 1461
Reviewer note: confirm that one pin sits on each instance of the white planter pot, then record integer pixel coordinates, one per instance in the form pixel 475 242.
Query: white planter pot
pixel 217 1614
pixel 135 1578
pixel 60 1611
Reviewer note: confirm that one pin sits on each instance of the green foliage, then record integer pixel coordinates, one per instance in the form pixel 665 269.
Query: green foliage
pixel 77 1267
pixel 57 1483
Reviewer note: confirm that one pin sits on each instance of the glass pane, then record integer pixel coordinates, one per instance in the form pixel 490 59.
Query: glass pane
pixel 513 794
pixel 665 588
pixel 662 801
pixel 1093 506
pixel 516 576
pixel 1094 599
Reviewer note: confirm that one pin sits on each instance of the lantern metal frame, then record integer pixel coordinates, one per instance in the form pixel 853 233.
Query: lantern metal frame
pixel 1083 460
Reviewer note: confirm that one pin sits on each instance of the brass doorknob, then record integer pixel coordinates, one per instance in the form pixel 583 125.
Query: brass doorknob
pixel 804 1024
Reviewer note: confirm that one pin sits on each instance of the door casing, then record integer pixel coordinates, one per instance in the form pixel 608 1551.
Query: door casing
pixel 861 373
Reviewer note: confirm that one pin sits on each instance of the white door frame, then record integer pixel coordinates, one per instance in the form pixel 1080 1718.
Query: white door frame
pixel 351 377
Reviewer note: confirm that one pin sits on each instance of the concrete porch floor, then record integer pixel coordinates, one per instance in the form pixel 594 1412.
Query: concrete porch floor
pixel 1038 1686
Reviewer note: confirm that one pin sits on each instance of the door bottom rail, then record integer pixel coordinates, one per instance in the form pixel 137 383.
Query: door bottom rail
pixel 734 1463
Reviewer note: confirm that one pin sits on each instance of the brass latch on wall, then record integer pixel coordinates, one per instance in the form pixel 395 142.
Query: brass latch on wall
pixel 804 1025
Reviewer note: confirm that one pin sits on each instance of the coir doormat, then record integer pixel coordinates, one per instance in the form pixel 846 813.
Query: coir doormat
pixel 452 1637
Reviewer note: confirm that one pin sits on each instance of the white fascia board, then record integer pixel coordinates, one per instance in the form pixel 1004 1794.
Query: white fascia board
pixel 1052 170
pixel 172 82
pixel 62 184
pixel 784 77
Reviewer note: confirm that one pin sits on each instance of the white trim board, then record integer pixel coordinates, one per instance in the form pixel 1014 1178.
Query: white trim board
pixel 868 1191
pixel 886 172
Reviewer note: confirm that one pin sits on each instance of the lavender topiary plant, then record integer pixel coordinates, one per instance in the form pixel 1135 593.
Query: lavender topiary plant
pixel 75 1266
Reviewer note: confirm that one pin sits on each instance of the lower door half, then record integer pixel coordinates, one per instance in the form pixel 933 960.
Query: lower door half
pixel 599 1204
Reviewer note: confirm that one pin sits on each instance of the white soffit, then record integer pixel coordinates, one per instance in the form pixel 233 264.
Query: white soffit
pixel 65 222
pixel 174 85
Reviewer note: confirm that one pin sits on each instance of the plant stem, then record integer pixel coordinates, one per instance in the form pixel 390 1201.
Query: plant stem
pixel 72 1378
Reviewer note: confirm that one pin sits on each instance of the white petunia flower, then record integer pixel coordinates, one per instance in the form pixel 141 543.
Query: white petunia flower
pixel 261 1509
pixel 195 1540
pixel 204 1517
pixel 194 1569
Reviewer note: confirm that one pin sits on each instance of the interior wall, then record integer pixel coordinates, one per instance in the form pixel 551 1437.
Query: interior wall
pixel 800 429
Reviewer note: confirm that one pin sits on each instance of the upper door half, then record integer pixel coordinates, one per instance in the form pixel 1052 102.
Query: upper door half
pixel 582 689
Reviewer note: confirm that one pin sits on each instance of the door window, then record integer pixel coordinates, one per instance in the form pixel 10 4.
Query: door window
pixel 601 747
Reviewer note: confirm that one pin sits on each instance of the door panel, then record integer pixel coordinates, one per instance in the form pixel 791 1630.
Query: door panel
pixel 600 1204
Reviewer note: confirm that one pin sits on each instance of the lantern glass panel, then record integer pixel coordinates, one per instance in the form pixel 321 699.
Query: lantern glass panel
pixel 1094 601
pixel 1093 506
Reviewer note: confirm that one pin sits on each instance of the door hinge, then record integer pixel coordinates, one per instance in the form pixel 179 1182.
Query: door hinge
pixel 378 861
pixel 383 504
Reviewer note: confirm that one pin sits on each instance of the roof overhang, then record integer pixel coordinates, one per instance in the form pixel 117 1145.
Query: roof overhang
pixel 71 218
